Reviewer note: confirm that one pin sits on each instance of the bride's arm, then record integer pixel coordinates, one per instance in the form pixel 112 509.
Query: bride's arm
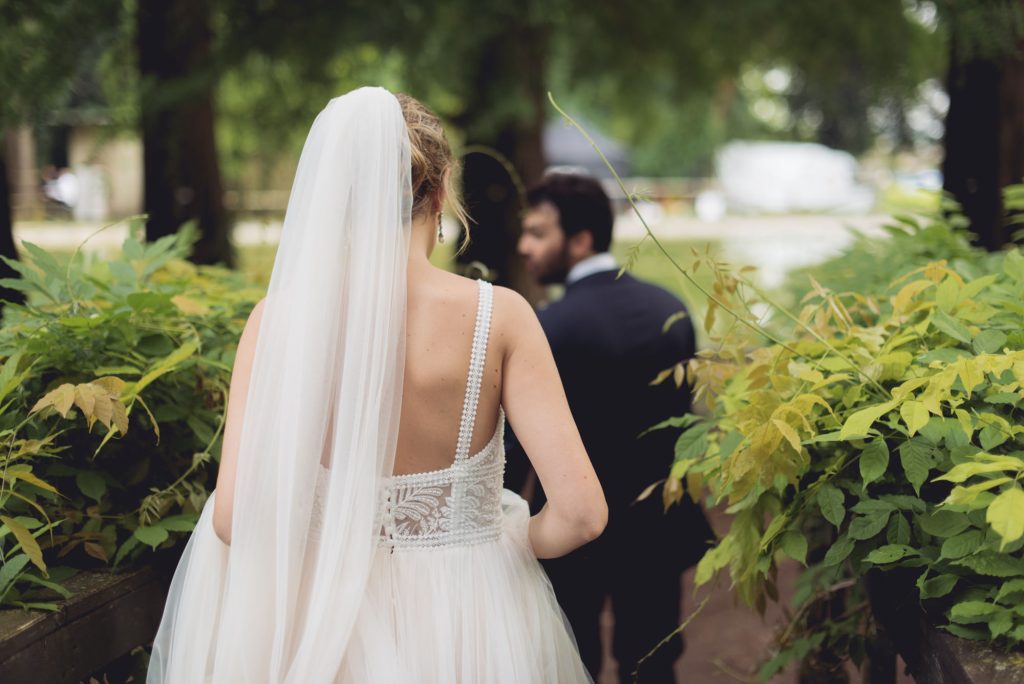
pixel 240 372
pixel 537 410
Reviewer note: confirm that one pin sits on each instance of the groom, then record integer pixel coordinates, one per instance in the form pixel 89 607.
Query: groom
pixel 609 342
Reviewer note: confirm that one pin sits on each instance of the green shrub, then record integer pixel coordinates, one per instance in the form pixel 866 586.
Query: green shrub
pixel 882 432
pixel 113 381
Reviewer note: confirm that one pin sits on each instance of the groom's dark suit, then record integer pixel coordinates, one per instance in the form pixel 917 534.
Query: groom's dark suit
pixel 608 342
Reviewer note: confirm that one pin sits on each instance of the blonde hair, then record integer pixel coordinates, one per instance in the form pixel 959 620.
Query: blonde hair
pixel 435 170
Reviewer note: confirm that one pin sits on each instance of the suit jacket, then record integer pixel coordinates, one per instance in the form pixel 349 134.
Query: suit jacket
pixel 608 339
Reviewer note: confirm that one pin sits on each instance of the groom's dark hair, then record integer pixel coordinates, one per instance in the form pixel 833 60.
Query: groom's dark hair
pixel 581 202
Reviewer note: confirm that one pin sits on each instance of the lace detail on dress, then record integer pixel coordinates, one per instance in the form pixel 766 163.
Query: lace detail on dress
pixel 453 506
pixel 458 505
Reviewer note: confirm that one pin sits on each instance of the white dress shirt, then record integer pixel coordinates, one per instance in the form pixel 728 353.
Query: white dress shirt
pixel 591 265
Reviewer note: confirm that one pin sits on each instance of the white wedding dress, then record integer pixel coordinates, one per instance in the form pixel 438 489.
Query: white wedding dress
pixel 349 573
pixel 455 593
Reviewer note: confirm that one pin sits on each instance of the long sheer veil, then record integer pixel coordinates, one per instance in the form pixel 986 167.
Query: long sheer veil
pixel 326 388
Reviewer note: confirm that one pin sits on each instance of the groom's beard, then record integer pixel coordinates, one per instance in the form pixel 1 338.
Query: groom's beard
pixel 558 270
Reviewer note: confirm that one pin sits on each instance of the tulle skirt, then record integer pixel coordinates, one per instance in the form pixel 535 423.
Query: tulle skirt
pixel 477 613
pixel 458 614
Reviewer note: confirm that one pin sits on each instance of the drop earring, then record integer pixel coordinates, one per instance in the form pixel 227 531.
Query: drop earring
pixel 440 235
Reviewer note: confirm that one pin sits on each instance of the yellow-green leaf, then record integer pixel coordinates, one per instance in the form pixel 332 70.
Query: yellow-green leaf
pixel 860 422
pixel 1006 515
pixel 189 306
pixel 85 398
pixel 915 415
pixel 902 300
pixel 27 476
pixel 966 423
pixel 789 433
pixel 970 375
pixel 961 472
pixel 965 496
pixel 662 376
pixel 28 543
pixel 112 384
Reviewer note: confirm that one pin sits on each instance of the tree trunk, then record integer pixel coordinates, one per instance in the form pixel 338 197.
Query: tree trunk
pixel 182 172
pixel 516 63
pixel 984 140
pixel 7 246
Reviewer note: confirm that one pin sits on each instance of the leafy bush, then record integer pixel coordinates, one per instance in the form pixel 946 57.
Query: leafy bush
pixel 113 381
pixel 883 433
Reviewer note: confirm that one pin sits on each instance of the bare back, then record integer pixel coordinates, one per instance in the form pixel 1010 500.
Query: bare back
pixel 440 319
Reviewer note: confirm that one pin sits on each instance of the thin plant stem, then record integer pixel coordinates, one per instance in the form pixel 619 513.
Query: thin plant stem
pixel 78 248
pixel 754 327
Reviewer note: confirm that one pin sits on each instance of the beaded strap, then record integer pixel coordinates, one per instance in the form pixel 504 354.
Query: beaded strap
pixel 476 369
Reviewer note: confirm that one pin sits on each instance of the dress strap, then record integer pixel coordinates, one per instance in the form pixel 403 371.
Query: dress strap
pixel 476 369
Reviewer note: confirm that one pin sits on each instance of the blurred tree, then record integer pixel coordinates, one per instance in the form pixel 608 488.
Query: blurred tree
pixel 181 168
pixel 985 125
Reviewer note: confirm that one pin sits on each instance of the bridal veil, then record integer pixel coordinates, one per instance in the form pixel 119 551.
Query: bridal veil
pixel 326 387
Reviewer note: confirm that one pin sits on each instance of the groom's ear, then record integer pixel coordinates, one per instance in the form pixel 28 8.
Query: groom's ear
pixel 581 244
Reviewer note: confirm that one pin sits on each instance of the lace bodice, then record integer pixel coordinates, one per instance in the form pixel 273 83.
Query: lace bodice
pixel 453 506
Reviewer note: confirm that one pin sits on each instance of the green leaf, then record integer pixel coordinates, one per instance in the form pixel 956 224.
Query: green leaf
pixel 898 531
pixel 1004 398
pixel 153 536
pixel 989 341
pixel 972 611
pixel 830 501
pixel 125 549
pixel 890 553
pixel 937 586
pixel 1006 515
pixel 178 523
pixel 132 249
pixel 91 484
pixel 1011 588
pixel 52 586
pixel 874 460
pixel 869 506
pixel 693 443
pixel 904 502
pixel 1000 624
pixel 947 294
pixel 991 436
pixel 674 422
pixel 10 570
pixel 993 564
pixel 794 545
pixel 839 551
pixel 1013 265
pixel 867 526
pixel 951 327
pixel 859 424
pixel 962 544
pixel 915 457
pixel 944 523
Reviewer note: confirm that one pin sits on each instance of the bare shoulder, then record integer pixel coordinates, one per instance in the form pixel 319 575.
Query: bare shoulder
pixel 514 321
pixel 512 307
pixel 255 316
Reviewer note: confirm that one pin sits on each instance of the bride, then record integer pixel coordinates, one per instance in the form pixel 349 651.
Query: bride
pixel 359 531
